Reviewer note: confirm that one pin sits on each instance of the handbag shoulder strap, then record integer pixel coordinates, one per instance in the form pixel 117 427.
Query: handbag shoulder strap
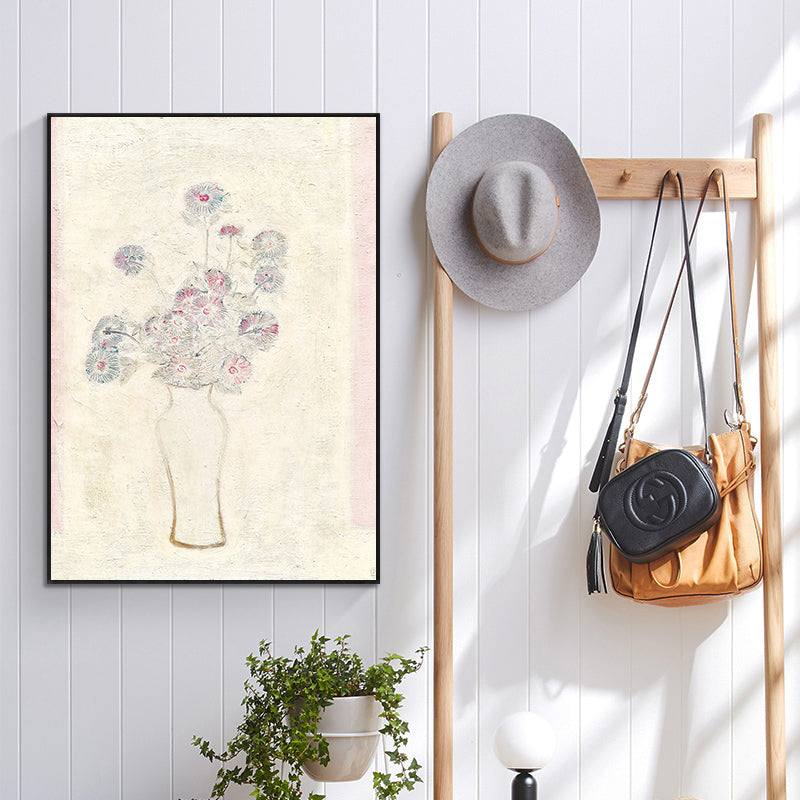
pixel 738 394
pixel 602 470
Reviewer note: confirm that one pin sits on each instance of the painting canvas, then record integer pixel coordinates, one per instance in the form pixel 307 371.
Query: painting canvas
pixel 213 348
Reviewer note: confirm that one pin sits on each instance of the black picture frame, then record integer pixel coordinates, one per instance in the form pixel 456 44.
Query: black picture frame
pixel 190 325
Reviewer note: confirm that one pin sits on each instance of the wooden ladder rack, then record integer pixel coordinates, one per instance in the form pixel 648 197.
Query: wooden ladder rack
pixel 630 178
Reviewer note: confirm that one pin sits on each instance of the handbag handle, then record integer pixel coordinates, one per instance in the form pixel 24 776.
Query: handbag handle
pixel 737 385
pixel 602 470
pixel 595 571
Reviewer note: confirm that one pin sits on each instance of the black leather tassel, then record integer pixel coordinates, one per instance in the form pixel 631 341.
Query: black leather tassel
pixel 595 562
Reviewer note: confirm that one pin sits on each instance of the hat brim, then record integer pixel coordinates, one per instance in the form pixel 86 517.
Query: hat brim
pixel 512 287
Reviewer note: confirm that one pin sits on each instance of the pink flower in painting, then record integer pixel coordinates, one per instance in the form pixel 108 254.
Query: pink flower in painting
pixel 169 332
pixel 208 309
pixel 235 371
pixel 130 259
pixel 270 243
pixel 204 200
pixel 261 328
pixel 218 282
pixel 181 370
pixel 229 230
pixel 186 299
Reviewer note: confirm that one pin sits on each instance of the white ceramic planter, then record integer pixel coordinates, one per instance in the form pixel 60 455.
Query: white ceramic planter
pixel 350 726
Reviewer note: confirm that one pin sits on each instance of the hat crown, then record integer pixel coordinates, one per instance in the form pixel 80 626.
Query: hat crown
pixel 514 211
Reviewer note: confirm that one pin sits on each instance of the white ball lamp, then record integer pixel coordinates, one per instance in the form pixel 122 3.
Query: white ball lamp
pixel 524 742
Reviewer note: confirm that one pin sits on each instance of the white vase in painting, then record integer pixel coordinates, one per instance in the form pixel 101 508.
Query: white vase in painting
pixel 192 433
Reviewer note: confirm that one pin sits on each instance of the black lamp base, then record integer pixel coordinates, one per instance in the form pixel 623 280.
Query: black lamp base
pixel 523 787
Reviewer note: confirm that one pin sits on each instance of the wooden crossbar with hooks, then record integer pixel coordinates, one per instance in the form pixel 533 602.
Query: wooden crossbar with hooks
pixel 640 178
pixel 629 178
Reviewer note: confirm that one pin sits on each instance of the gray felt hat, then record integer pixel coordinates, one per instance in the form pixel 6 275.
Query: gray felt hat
pixel 512 212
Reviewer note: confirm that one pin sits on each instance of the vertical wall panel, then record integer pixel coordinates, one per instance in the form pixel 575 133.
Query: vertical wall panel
pixel 454 88
pixel 197 55
pixel 44 610
pixel 299 55
pixel 146 45
pixel 196 685
pixel 706 631
pixel 503 432
pixel 790 216
pixel 247 56
pixel 247 615
pixel 299 611
pixel 146 692
pixel 95 610
pixel 349 29
pixel 757 86
pixel 403 601
pixel 504 57
pixel 95 691
pixel 94 41
pixel 9 413
pixel 605 652
pixel 656 632
pixel 558 537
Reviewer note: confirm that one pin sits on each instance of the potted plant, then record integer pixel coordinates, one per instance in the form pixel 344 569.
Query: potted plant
pixel 309 713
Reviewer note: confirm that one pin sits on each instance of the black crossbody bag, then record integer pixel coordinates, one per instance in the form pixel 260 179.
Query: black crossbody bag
pixel 669 498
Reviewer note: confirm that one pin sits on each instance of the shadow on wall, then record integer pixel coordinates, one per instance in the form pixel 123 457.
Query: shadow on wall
pixel 616 614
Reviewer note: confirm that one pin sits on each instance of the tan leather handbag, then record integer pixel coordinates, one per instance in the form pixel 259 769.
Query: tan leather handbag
pixel 726 559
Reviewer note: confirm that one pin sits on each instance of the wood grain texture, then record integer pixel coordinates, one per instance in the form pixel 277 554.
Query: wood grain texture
pixel 442 507
pixel 640 178
pixel 772 525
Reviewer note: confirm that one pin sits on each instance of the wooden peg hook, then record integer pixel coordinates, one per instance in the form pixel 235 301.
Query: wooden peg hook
pixel 718 176
pixel 626 176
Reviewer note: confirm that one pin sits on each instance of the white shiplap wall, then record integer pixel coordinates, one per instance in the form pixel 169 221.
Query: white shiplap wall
pixel 101 687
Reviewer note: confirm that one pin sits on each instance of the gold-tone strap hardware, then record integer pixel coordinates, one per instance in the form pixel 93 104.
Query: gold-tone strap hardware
pixel 677 556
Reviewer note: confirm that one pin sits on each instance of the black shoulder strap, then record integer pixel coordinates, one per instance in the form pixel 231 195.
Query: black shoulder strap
pixel 602 470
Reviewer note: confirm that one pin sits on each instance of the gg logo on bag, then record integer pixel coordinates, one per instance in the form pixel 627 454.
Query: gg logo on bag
pixel 655 500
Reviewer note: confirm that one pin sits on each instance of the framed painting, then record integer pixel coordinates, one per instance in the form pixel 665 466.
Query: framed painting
pixel 213 348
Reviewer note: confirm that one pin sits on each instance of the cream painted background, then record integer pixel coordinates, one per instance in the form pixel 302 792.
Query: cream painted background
pixel 102 687
pixel 288 463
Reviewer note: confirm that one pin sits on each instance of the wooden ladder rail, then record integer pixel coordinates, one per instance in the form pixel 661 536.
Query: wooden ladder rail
pixel 627 178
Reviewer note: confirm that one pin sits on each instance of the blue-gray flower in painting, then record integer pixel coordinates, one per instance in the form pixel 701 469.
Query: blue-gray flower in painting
pixel 204 201
pixel 270 244
pixel 269 277
pixel 102 365
pixel 130 259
